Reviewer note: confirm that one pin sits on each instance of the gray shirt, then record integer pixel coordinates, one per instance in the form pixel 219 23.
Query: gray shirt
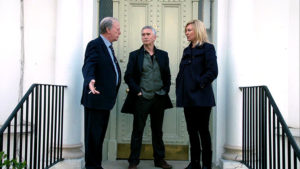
pixel 151 82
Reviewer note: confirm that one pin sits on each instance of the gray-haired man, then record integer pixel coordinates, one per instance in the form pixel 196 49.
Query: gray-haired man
pixel 149 79
pixel 102 80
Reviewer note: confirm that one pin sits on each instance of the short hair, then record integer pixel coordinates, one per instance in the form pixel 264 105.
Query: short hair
pixel 200 31
pixel 149 27
pixel 107 22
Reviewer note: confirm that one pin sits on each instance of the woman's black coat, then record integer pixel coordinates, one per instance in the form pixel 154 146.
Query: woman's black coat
pixel 198 68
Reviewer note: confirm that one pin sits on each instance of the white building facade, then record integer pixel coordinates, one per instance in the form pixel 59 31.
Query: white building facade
pixel 257 43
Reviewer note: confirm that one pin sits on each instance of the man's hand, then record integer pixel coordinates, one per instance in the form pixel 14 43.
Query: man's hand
pixel 92 87
pixel 139 94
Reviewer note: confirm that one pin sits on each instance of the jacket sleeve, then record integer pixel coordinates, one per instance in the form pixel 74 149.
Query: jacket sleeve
pixel 130 74
pixel 90 60
pixel 167 75
pixel 211 67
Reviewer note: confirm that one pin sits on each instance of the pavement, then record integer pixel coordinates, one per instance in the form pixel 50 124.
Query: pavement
pixel 118 164
pixel 144 164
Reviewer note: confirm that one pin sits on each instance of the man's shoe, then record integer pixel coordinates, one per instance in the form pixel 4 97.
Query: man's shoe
pixel 132 166
pixel 189 166
pixel 193 166
pixel 204 167
pixel 162 164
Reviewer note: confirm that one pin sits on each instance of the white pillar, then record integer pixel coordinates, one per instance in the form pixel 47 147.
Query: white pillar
pixel 234 38
pixel 68 63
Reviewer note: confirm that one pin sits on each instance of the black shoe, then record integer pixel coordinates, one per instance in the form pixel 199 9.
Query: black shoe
pixel 162 164
pixel 132 166
pixel 189 166
pixel 195 165
pixel 204 167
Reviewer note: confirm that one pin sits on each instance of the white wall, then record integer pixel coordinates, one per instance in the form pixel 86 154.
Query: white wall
pixel 40 36
pixel 258 44
pixel 10 55
pixel 39 49
pixel 293 53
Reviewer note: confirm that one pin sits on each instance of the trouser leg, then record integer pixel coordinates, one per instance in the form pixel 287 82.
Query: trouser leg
pixel 95 125
pixel 139 122
pixel 192 128
pixel 157 118
pixel 204 113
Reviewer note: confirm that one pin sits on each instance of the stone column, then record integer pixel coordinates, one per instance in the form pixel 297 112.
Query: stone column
pixel 234 35
pixel 68 62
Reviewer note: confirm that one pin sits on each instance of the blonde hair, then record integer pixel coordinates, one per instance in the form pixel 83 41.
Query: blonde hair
pixel 200 31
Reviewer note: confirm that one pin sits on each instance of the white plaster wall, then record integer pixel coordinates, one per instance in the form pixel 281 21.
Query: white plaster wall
pixel 271 37
pixel 258 44
pixel 293 65
pixel 10 55
pixel 39 49
pixel 40 36
pixel 68 63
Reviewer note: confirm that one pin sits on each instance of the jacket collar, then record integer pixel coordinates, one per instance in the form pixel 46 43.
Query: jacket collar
pixel 102 45
pixel 142 54
pixel 188 50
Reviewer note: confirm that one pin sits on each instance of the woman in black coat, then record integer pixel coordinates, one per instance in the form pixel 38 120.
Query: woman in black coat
pixel 198 69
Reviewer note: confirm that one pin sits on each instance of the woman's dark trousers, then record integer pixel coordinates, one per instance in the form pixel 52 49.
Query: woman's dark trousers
pixel 197 120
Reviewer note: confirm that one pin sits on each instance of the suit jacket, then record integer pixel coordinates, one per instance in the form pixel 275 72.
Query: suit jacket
pixel 133 77
pixel 198 68
pixel 98 65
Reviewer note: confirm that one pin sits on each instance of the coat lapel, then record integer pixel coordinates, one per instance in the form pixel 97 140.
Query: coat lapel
pixel 141 59
pixel 103 48
pixel 159 58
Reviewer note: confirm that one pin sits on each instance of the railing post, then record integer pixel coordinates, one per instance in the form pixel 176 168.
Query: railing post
pixel 33 108
pixel 1 142
pixel 265 131
pixel 1 145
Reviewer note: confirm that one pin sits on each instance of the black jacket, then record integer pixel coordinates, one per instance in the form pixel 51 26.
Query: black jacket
pixel 98 65
pixel 198 68
pixel 133 77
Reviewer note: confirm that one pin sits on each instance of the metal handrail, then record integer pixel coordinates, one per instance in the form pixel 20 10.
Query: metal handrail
pixel 262 147
pixel 40 109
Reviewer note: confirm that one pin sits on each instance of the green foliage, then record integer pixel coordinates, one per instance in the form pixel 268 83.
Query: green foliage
pixel 10 164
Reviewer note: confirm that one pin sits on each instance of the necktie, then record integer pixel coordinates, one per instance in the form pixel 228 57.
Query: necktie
pixel 118 71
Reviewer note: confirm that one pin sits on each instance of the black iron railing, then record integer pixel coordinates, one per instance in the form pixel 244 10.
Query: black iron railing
pixel 267 140
pixel 33 132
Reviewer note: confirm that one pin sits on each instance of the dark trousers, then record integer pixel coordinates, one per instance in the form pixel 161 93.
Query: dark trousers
pixel 154 107
pixel 197 120
pixel 95 125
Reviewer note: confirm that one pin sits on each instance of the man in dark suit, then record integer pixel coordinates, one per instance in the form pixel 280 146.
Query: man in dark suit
pixel 148 77
pixel 102 78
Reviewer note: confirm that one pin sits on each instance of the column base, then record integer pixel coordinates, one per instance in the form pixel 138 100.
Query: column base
pixel 233 153
pixel 73 157
pixel 228 164
pixel 72 151
pixel 70 163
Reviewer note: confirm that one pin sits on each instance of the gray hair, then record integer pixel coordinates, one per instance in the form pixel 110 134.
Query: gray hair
pixel 149 27
pixel 106 22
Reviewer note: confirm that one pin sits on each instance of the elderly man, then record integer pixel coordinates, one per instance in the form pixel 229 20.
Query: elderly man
pixel 148 77
pixel 102 78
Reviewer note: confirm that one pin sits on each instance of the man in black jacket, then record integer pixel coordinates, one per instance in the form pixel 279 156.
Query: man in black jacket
pixel 148 77
pixel 102 78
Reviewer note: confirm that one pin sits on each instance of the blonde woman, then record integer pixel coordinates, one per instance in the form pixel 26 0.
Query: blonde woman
pixel 198 69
